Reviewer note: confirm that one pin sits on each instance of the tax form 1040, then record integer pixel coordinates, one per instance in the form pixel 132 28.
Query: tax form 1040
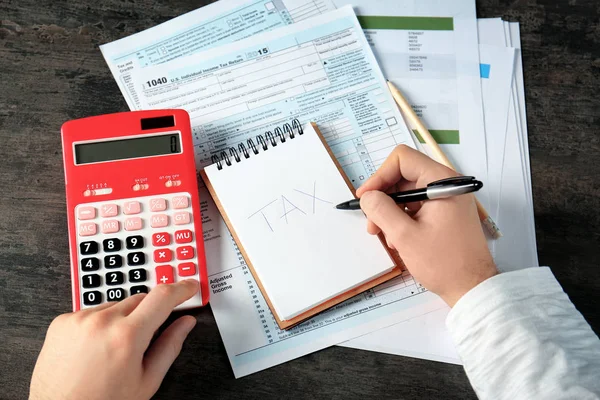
pixel 224 21
pixel 320 70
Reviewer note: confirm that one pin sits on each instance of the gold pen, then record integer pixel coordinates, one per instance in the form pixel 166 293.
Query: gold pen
pixel 407 110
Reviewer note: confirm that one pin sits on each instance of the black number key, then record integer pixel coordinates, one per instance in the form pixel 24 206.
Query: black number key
pixel 86 248
pixel 90 264
pixel 114 261
pixel 115 278
pixel 138 289
pixel 113 244
pixel 90 281
pixel 115 294
pixel 137 275
pixel 92 298
pixel 137 258
pixel 134 242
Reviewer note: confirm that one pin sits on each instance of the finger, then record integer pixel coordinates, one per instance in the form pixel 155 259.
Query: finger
pixel 163 352
pixel 410 208
pixel 405 163
pixel 385 213
pixel 159 303
pixel 372 228
pixel 402 186
pixel 98 308
pixel 413 207
pixel 127 306
pixel 389 244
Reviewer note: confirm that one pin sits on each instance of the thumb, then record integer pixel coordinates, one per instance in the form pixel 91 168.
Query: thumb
pixel 163 352
pixel 385 213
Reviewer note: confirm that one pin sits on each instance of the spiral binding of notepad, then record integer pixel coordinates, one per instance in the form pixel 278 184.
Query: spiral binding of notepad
pixel 232 154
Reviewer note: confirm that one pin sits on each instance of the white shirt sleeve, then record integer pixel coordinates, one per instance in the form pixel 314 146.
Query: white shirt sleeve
pixel 520 337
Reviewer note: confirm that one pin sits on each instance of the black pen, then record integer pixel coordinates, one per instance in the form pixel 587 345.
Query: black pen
pixel 435 190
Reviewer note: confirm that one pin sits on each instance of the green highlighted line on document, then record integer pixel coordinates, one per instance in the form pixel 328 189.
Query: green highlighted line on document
pixel 441 136
pixel 414 23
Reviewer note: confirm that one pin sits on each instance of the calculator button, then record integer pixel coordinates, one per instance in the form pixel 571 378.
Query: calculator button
pixel 137 275
pixel 134 242
pixel 137 258
pixel 158 205
pixel 86 248
pixel 110 226
pixel 133 224
pixel 90 281
pixel 132 207
pixel 181 218
pixel 112 244
pixel 159 220
pixel 163 255
pixel 90 264
pixel 161 239
pixel 179 202
pixel 109 210
pixel 185 252
pixel 115 294
pixel 114 261
pixel 187 269
pixel 164 274
pixel 115 278
pixel 138 289
pixel 92 298
pixel 84 213
pixel 183 236
pixel 87 229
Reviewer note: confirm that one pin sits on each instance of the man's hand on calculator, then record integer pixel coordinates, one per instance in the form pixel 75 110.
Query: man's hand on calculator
pixel 105 353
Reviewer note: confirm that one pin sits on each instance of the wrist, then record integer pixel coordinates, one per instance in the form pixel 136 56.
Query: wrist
pixel 452 296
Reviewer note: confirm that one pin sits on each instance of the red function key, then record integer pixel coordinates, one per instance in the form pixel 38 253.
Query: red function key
pixel 183 236
pixel 185 253
pixel 161 239
pixel 187 269
pixel 164 274
pixel 109 210
pixel 162 255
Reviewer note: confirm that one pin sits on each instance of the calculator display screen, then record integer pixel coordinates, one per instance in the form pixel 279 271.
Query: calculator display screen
pixel 122 149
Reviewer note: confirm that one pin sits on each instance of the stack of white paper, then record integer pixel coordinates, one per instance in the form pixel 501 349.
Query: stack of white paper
pixel 510 200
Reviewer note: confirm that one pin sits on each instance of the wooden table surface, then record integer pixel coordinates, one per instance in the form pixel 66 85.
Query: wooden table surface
pixel 51 70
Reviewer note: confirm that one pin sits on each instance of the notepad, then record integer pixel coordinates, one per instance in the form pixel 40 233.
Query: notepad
pixel 277 193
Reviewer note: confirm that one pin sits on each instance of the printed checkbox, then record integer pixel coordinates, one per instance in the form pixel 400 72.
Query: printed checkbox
pixel 269 6
pixel 391 121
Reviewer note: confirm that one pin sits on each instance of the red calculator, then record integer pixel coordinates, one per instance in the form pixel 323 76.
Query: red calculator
pixel 133 206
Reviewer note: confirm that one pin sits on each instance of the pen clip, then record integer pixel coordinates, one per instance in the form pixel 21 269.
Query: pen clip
pixel 455 180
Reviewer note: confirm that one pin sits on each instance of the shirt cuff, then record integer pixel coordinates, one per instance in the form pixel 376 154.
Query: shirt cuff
pixel 496 291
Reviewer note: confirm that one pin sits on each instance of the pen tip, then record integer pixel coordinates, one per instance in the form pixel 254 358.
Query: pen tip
pixel 342 206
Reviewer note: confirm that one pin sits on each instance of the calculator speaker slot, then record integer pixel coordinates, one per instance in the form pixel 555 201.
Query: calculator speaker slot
pixel 158 122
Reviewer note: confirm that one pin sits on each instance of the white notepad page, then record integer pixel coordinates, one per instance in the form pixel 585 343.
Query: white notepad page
pixel 281 203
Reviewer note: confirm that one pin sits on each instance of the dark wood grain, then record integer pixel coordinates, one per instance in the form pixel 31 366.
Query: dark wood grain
pixel 51 71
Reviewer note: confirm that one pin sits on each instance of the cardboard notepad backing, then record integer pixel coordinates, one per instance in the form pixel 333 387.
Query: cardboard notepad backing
pixel 277 195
